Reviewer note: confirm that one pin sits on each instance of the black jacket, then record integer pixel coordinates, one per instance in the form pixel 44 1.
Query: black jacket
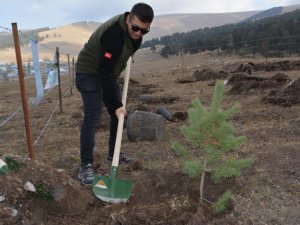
pixel 105 55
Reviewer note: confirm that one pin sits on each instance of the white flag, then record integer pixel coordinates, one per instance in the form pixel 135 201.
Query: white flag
pixel 52 79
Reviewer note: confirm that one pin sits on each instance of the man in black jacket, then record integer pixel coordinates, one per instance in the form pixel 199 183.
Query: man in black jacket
pixel 98 66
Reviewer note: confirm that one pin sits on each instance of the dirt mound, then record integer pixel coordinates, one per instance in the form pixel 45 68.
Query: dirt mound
pixel 56 193
pixel 180 115
pixel 158 99
pixel 244 68
pixel 208 74
pixel 250 67
pixel 281 66
pixel 286 96
pixel 243 83
pixel 59 195
pixel 184 80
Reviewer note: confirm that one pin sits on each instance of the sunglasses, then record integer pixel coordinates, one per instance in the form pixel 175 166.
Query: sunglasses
pixel 136 28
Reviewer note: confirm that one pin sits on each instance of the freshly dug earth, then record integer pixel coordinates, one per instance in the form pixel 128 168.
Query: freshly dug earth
pixel 267 193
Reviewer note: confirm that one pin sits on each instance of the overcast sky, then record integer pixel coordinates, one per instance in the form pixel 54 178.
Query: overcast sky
pixel 32 14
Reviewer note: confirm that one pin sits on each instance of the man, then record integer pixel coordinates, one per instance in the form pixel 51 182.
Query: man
pixel 98 66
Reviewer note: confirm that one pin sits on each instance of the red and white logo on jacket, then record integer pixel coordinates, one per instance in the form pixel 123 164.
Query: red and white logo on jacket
pixel 107 55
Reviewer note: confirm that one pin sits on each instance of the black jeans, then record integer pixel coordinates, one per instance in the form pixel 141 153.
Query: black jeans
pixel 92 96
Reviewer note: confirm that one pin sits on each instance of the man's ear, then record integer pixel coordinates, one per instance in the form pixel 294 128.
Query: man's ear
pixel 127 18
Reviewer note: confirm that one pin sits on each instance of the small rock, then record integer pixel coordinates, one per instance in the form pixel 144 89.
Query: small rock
pixel 142 217
pixel 60 170
pixel 29 187
pixel 10 211
pixel 14 212
pixel 2 198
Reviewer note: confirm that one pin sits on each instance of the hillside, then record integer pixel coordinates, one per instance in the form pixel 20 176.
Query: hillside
pixel 273 12
pixel 172 23
pixel 275 35
pixel 70 38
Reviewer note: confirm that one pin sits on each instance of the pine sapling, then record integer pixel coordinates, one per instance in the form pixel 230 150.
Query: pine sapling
pixel 212 135
pixel 222 202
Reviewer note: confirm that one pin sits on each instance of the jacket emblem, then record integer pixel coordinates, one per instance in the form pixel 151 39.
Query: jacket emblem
pixel 107 55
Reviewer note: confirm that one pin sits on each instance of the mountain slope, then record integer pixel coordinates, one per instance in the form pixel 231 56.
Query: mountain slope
pixel 172 23
pixel 71 38
pixel 273 12
pixel 276 36
pixel 267 13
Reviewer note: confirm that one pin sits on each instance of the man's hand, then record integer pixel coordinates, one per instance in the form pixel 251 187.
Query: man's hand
pixel 119 111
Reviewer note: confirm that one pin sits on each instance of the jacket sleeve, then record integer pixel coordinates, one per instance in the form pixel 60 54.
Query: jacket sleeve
pixel 112 41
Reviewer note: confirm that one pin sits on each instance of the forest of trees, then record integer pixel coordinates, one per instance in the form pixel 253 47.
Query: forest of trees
pixel 273 36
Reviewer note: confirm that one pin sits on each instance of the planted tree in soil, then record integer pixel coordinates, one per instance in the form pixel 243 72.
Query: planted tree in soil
pixel 212 141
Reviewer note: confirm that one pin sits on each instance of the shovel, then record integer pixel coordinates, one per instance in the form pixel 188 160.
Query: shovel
pixel 111 189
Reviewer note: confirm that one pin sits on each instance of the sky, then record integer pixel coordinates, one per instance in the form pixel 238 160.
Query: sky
pixel 33 14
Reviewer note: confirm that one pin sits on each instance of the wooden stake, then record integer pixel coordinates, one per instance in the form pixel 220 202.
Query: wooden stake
pixel 58 75
pixel 73 70
pixel 69 73
pixel 181 56
pixel 23 91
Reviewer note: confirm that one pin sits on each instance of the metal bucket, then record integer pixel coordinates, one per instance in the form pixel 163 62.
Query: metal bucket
pixel 145 126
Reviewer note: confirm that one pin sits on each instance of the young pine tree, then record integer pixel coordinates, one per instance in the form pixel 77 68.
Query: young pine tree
pixel 210 132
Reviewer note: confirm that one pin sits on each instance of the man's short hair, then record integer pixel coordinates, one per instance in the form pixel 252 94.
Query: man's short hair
pixel 143 12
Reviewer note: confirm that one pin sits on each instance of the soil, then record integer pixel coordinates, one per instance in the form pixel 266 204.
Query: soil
pixel 266 193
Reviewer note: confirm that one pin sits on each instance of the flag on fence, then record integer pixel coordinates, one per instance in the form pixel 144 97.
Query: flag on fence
pixel 52 79
pixel 37 73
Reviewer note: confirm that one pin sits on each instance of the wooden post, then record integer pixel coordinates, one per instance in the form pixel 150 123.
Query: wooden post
pixel 267 53
pixel 58 75
pixel 69 73
pixel 181 56
pixel 73 70
pixel 23 91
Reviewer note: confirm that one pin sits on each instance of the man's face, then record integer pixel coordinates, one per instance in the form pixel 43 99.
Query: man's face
pixel 137 28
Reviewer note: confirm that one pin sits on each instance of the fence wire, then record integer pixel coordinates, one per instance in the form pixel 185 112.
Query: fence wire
pixel 12 123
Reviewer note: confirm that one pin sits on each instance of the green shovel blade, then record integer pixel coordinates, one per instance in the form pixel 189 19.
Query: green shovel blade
pixel 112 190
pixel 3 167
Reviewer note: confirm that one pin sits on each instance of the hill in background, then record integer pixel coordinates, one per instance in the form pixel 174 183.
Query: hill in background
pixel 172 23
pixel 71 38
pixel 273 12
